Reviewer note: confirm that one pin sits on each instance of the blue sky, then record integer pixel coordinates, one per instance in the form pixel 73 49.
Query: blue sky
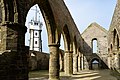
pixel 84 12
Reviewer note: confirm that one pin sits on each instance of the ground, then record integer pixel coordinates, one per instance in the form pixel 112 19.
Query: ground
pixel 83 75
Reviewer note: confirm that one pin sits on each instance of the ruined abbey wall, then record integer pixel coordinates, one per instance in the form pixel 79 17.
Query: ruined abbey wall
pixel 98 33
pixel 114 39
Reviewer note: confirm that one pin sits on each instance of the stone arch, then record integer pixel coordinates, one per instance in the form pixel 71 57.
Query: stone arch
pixel 114 36
pixel 53 39
pixel 75 56
pixel 68 50
pixel 52 31
pixel 75 44
pixel 66 37
pixel 115 40
pixel 115 55
pixel 19 9
pixel 92 60
pixel 15 28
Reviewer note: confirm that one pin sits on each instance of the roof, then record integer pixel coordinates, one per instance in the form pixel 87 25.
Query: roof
pixel 94 24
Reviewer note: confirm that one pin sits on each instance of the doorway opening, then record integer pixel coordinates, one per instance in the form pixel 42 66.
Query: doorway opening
pixel 95 64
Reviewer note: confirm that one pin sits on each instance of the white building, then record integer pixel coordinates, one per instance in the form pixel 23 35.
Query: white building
pixel 35 29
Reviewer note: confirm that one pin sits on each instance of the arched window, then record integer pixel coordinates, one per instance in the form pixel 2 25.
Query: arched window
pixel 94 45
pixel 114 37
pixel 111 47
pixel 117 42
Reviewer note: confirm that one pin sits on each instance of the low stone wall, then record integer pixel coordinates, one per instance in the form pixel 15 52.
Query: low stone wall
pixel 39 60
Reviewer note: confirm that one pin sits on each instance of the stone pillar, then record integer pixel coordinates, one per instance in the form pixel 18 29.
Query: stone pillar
pixel 61 60
pixel 109 58
pixel 110 61
pixel 79 63
pixel 117 61
pixel 75 63
pixel 54 62
pixel 68 63
pixel 82 62
pixel 113 61
pixel 13 53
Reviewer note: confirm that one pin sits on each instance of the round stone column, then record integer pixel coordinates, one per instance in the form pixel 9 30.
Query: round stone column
pixel 68 63
pixel 75 64
pixel 82 62
pixel 79 63
pixel 14 53
pixel 54 62
pixel 117 61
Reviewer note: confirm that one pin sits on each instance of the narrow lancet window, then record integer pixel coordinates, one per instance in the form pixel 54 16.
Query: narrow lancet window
pixel 94 44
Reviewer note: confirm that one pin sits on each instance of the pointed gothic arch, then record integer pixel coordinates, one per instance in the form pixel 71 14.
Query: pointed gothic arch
pixel 19 10
pixel 68 50
pixel 66 37
pixel 75 56
pixel 95 63
pixel 116 39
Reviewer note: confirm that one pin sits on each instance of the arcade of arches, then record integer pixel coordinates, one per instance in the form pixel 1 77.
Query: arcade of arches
pixel 78 52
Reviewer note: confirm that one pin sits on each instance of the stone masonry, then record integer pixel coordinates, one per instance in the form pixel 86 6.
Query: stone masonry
pixel 39 60
pixel 78 55
pixel 114 40
pixel 95 32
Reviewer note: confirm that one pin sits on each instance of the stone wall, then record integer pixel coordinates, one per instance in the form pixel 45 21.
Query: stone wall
pixel 95 32
pixel 114 39
pixel 39 60
pixel 61 59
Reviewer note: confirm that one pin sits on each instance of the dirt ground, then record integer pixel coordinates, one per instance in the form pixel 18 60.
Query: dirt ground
pixel 83 75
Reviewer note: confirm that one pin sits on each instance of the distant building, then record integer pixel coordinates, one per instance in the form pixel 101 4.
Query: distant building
pixel 35 34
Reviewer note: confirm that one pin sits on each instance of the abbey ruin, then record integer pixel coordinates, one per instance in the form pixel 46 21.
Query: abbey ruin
pixel 78 53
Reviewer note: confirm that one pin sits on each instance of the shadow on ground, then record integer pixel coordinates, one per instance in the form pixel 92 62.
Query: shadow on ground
pixel 116 73
pixel 83 75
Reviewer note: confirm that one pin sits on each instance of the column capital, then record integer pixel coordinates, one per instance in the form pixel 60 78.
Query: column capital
pixel 68 51
pixel 54 44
